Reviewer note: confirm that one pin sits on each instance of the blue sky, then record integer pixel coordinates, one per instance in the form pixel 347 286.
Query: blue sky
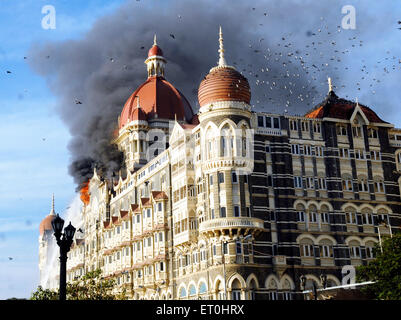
pixel 33 149
pixel 31 168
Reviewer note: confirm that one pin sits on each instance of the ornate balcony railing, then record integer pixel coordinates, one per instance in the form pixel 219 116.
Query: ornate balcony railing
pixel 231 222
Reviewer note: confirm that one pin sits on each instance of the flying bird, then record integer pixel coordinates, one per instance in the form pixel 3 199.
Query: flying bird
pixel 8 71
pixel 172 36
pixel 10 258
pixel 77 101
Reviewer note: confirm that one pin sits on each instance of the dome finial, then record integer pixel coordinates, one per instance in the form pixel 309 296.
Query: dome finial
pixel 222 61
pixel 52 212
pixel 356 100
pixel 330 84
pixel 154 40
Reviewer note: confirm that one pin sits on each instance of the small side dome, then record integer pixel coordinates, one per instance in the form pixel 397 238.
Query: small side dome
pixel 155 51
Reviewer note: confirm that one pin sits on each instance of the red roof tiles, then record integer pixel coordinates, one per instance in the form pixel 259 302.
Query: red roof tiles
pixel 224 84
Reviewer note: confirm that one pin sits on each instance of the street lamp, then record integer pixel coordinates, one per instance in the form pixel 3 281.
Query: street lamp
pixel 64 241
pixel 224 261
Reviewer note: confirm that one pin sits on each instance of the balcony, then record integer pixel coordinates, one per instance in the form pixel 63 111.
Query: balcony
pixel 184 236
pixel 231 223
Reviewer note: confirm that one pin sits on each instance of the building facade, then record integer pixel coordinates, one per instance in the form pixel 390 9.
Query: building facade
pixel 235 204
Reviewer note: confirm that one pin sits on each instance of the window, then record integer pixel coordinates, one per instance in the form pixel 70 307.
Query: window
pixel 359 154
pixel 312 216
pixel 357 132
pixel 375 155
pixel 221 177
pixel 325 217
pixel 267 148
pixel 319 151
pixel 138 218
pixel 236 294
pixel 234 177
pixel 273 295
pixel 148 213
pixel 321 182
pixel 370 251
pixel 372 133
pixel 223 212
pixel 211 180
pixel 298 182
pixel 363 186
pixel 236 211
pixel 261 121
pixel 305 126
pixel 238 247
pixel 326 251
pixel 355 251
pixel 248 211
pixel 293 125
pixel 344 152
pixel 316 127
pixel 225 248
pixel 310 182
pixel 341 130
pixel 367 218
pixel 268 122
pixel 276 123
pixel 307 250
pixel 295 149
pixel 301 216
pixel 307 150
pixel 160 236
pixel 379 187
pixel 347 185
pixel 159 206
pixel 350 217
pixel 214 249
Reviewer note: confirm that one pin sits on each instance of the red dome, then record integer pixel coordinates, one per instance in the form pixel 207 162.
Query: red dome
pixel 46 224
pixel 155 51
pixel 224 84
pixel 157 99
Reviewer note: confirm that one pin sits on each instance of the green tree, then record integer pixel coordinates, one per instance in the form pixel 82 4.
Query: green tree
pixel 385 270
pixel 91 286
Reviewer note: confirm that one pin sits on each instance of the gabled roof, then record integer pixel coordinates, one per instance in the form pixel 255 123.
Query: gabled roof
pixel 145 202
pixel 338 108
pixel 159 195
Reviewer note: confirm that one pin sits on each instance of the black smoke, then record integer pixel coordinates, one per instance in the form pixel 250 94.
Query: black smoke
pixel 275 44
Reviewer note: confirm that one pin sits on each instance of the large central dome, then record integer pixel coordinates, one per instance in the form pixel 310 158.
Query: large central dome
pixel 156 98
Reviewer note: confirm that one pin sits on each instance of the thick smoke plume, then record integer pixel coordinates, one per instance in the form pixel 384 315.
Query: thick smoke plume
pixel 277 45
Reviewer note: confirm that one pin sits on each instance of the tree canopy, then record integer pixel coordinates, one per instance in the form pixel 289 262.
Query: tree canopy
pixel 385 270
pixel 91 286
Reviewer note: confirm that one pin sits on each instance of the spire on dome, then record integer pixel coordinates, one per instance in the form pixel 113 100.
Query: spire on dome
pixel 155 62
pixel 222 60
pixel 356 100
pixel 52 212
pixel 330 84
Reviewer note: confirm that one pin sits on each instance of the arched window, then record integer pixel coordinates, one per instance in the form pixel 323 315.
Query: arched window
pixel 354 249
pixel 369 247
pixel 226 142
pixel 326 248
pixel 192 290
pixel 236 290
pixel 306 248
pixel 183 293
pixel 202 288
